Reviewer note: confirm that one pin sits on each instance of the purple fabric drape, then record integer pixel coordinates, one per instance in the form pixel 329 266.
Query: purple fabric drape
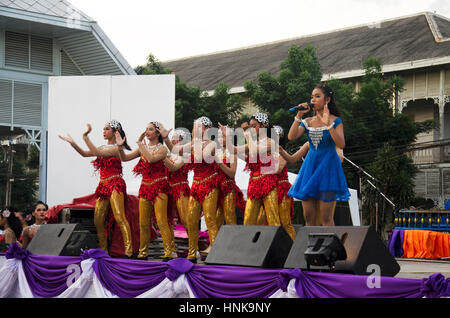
pixel 47 277
pixel 235 282
pixel 395 243
pixel 178 267
pixel 333 285
pixel 129 278
pixel 436 286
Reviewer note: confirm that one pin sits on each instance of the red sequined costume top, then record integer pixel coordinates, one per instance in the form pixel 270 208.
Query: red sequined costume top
pixel 110 176
pixel 3 242
pixel 154 179
pixel 226 185
pixel 206 178
pixel 260 183
pixel 283 187
pixel 178 182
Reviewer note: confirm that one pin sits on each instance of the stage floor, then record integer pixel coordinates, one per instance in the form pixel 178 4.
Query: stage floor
pixel 409 267
pixel 422 268
pixel 415 268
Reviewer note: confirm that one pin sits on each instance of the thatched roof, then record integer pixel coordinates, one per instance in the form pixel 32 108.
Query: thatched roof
pixel 423 36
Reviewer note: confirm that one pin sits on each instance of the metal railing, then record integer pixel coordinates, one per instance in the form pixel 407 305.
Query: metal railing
pixel 422 220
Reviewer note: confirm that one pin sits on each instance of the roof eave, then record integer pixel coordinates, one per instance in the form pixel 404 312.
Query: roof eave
pixel 112 50
pixel 360 72
pixel 410 65
pixel 46 19
pixel 76 24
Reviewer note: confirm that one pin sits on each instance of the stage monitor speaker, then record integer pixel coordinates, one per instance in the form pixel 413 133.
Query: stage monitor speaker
pixel 250 245
pixel 62 240
pixel 365 251
pixel 85 217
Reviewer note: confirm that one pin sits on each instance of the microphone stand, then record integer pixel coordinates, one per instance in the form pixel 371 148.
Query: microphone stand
pixel 373 186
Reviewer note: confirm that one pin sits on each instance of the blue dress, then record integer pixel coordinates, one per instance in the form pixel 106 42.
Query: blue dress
pixel 321 175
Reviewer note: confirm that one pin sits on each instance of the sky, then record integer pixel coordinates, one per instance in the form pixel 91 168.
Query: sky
pixel 173 29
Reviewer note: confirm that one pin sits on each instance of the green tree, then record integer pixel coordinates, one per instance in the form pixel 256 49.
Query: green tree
pixel 275 94
pixel 223 107
pixel 192 103
pixel 24 187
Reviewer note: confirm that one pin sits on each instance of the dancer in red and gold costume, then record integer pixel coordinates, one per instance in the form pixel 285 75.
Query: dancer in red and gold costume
pixel 178 177
pixel 230 195
pixel 154 190
pixel 111 190
pixel 285 202
pixel 204 190
pixel 263 166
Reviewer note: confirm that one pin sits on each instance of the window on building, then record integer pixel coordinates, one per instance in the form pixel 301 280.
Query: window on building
pixel 28 51
pixel 20 104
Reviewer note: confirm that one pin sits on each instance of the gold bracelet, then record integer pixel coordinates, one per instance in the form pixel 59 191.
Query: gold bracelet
pixel 297 119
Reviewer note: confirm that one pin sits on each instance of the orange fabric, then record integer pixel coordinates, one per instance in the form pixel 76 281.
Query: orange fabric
pixel 426 244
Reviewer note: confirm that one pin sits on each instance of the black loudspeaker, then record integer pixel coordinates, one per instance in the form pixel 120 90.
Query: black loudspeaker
pixel 250 245
pixel 62 240
pixel 85 217
pixel 362 244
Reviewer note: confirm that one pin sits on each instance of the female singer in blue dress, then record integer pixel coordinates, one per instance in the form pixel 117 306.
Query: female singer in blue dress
pixel 321 180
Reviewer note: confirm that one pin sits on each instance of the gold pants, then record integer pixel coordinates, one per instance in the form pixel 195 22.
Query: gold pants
pixel 145 212
pixel 209 206
pixel 117 202
pixel 183 209
pixel 261 217
pixel 227 212
pixel 285 217
pixel 270 202
pixel 284 208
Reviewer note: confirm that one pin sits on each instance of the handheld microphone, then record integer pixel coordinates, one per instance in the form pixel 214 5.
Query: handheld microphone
pixel 296 108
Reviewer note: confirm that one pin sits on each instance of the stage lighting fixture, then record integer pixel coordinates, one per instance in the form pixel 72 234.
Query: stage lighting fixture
pixel 324 249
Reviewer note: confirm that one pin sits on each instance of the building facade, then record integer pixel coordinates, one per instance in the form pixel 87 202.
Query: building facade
pixel 39 39
pixel 415 47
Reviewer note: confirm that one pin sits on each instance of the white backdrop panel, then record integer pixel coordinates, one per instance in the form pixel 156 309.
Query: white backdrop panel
pixel 75 101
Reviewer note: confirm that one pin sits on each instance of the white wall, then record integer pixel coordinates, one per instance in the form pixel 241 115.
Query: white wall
pixel 74 101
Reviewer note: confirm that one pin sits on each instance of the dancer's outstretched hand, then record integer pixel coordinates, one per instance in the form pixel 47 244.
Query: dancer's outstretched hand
pixel 119 140
pixel 163 131
pixel 89 129
pixel 67 138
pixel 223 128
pixel 141 138
pixel 197 130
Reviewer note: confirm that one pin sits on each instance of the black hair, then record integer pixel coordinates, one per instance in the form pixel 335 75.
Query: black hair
pixel 122 134
pixel 13 221
pixel 25 215
pixel 328 92
pixel 40 202
pixel 268 125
